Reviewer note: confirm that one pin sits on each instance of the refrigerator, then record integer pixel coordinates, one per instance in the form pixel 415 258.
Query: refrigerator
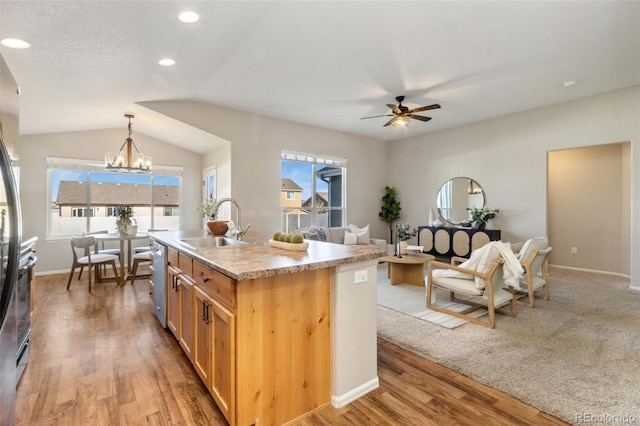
pixel 10 242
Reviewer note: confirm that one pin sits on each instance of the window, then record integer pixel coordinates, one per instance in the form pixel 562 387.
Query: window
pixel 312 191
pixel 82 197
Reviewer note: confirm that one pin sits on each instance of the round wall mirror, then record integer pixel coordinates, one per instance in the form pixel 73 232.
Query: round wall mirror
pixel 455 196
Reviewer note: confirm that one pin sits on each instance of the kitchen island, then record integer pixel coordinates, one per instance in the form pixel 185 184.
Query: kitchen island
pixel 274 334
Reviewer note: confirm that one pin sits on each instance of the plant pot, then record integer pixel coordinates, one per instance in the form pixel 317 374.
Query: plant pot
pixel 121 225
pixel 218 227
pixel 403 247
pixel 479 224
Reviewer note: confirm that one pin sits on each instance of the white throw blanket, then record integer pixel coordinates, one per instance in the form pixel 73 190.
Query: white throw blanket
pixel 512 270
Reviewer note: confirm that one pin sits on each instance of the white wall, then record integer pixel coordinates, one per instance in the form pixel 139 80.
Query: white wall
pixel 508 157
pixel 256 143
pixel 91 145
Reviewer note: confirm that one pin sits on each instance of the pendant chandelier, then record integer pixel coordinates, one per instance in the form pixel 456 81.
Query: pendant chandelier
pixel 124 159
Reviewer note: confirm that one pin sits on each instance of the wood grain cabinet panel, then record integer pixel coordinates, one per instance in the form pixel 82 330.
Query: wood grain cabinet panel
pixel 449 242
pixel 214 352
pixel 173 301
pixel 262 347
pixel 187 319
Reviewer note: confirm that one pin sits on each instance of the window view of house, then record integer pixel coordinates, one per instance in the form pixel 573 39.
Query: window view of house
pixel 84 201
pixel 311 192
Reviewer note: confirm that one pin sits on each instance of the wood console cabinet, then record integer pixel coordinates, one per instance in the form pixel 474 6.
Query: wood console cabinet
pixel 449 242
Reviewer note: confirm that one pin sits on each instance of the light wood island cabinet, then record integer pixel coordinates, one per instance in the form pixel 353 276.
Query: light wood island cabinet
pixel 261 335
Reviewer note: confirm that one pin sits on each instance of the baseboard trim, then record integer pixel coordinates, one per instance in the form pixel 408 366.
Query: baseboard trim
pixel 342 400
pixel 617 274
pixel 41 273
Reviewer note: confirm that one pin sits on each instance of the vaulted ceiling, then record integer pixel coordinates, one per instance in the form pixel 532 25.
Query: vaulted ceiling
pixel 321 63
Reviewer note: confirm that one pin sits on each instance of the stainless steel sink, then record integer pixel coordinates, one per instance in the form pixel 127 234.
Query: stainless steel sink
pixel 210 242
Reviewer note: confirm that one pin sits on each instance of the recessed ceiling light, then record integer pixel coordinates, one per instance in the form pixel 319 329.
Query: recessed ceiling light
pixel 167 62
pixel 15 43
pixel 189 17
pixel 569 83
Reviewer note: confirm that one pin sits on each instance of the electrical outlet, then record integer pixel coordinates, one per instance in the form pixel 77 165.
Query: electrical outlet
pixel 574 250
pixel 360 277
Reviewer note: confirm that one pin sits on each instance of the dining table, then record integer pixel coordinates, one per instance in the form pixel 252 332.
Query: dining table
pixel 122 238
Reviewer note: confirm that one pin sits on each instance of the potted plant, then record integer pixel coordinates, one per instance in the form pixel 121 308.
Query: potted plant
pixel 480 217
pixel 206 208
pixel 124 215
pixel 213 226
pixel 404 232
pixel 390 209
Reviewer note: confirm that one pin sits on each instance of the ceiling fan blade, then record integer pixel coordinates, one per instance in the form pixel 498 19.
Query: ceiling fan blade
pixel 419 117
pixel 424 108
pixel 376 116
pixel 394 108
pixel 389 122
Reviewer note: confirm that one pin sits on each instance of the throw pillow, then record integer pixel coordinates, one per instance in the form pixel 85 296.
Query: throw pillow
pixel 350 239
pixel 532 245
pixel 361 238
pixel 363 234
pixel 485 263
pixel 355 229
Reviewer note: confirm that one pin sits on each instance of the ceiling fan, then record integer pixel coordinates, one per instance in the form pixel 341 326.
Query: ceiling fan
pixel 402 114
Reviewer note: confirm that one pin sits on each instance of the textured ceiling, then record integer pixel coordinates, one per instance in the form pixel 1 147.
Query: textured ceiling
pixel 322 63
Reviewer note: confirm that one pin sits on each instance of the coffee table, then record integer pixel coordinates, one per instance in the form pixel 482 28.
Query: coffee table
pixel 407 269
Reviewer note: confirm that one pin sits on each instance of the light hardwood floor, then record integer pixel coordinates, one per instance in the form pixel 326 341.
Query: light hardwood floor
pixel 103 359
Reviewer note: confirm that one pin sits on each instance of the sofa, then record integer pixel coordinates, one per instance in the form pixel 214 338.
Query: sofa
pixel 350 235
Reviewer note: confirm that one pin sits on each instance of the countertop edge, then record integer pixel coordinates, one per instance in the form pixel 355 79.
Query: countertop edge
pixel 232 260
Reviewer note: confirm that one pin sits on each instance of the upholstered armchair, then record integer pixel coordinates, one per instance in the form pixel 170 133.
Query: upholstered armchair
pixel 533 257
pixel 479 283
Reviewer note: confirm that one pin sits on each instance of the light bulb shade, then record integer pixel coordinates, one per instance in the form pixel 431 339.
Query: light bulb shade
pixel 400 121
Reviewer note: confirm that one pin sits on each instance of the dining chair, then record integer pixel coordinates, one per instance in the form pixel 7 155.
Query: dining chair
pixel 145 257
pixel 82 248
pixel 100 245
pixel 142 249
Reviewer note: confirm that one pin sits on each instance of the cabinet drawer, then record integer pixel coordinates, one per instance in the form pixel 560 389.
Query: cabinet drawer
pixel 172 257
pixel 185 264
pixel 218 285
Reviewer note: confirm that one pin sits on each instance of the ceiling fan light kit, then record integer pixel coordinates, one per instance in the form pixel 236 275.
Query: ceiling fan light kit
pixel 402 115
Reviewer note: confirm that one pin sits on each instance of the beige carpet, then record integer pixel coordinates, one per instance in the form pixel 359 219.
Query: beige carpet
pixel 410 299
pixel 577 354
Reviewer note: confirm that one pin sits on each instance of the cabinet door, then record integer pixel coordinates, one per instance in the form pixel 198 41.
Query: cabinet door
pixel 173 303
pixel 185 326
pixel 203 334
pixel 223 368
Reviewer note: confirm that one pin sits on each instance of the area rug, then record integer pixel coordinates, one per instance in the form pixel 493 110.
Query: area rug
pixel 410 299
pixel 575 356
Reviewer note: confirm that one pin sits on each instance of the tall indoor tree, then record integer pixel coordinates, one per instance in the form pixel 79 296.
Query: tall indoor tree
pixel 390 209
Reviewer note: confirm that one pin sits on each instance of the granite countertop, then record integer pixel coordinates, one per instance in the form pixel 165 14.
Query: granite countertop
pixel 257 259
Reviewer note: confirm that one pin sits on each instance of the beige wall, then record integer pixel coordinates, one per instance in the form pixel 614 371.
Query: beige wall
pixel 508 157
pixel 588 205
pixel 55 255
pixel 256 143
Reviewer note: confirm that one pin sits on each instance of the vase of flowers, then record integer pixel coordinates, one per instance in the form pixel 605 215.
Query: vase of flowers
pixel 212 226
pixel 480 217
pixel 124 215
pixel 403 233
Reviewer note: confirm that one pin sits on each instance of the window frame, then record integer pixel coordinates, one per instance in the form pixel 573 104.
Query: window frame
pixel 87 167
pixel 317 162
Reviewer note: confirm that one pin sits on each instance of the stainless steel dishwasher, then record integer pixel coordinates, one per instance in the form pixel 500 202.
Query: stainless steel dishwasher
pixel 159 282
